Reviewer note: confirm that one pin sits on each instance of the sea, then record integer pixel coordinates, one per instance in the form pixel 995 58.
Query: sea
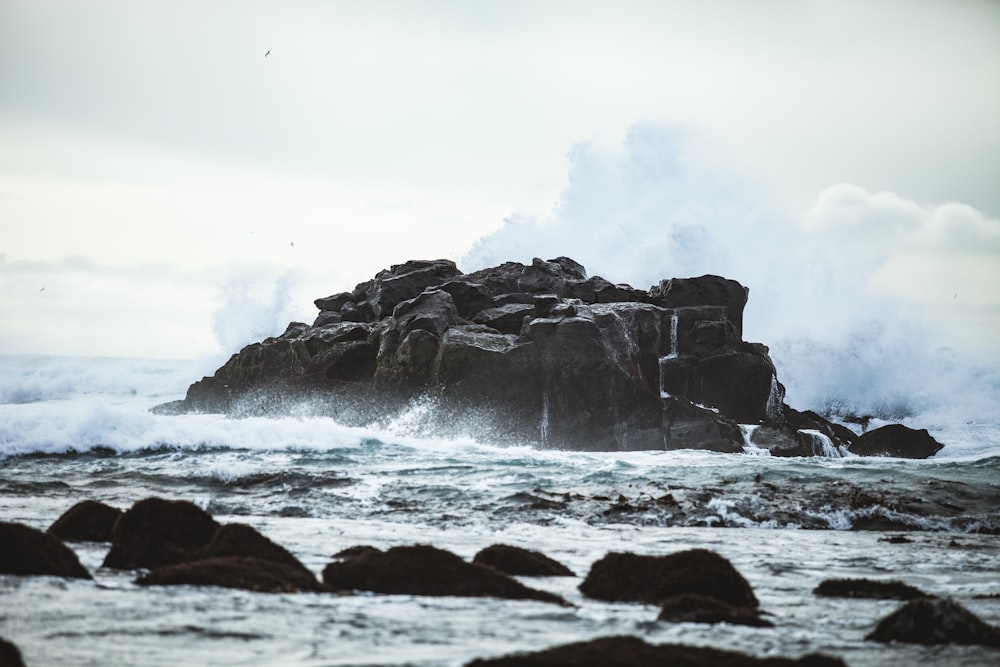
pixel 73 429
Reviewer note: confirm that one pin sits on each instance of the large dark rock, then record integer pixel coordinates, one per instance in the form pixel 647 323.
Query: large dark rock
pixel 27 550
pixel 634 652
pixel 252 574
pixel 896 440
pixel 87 521
pixel 521 562
pixel 236 539
pixel 156 532
pixel 425 570
pixel 520 353
pixel 935 621
pixel 693 608
pixel 628 577
pixel 866 588
pixel 10 655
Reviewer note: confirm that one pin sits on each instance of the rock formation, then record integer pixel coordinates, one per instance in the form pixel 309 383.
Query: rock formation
pixel 537 353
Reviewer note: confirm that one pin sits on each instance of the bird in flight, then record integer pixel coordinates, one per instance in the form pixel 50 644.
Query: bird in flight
pixel 268 53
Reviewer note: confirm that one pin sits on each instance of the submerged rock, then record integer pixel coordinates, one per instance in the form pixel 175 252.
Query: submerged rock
pixel 935 621
pixel 520 562
pixel 896 440
pixel 634 652
pixel 425 570
pixel 252 574
pixel 628 577
pixel 693 608
pixel 87 521
pixel 27 550
pixel 866 588
pixel 156 532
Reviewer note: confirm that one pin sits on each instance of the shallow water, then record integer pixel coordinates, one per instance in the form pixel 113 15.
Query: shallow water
pixel 317 487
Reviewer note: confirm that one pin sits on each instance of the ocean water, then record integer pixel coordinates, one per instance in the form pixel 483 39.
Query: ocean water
pixel 75 429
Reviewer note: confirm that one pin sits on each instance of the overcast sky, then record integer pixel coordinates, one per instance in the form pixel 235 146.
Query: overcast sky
pixel 168 190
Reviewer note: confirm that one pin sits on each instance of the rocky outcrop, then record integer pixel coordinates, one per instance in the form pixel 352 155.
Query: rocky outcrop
pixel 628 577
pixel 537 353
pixel 520 562
pixel 935 621
pixel 425 570
pixel 87 521
pixel 27 550
pixel 635 652
pixel 896 440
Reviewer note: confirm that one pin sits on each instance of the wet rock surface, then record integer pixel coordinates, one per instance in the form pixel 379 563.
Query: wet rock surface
pixel 156 532
pixel 10 655
pixel 896 440
pixel 536 353
pixel 628 577
pixel 933 620
pixel 425 570
pixel 693 608
pixel 87 521
pixel 26 550
pixel 867 588
pixel 520 562
pixel 635 652
pixel 243 572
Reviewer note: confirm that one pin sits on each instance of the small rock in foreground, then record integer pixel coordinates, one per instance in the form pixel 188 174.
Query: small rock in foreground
pixel 634 652
pixel 10 655
pixel 426 570
pixel 252 574
pixel 628 577
pixel 27 550
pixel 521 562
pixel 87 521
pixel 693 608
pixel 935 621
pixel 867 588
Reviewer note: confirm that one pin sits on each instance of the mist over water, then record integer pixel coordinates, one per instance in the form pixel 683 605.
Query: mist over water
pixel 854 296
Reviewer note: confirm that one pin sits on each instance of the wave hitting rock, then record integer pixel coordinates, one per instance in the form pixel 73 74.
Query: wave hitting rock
pixel 537 353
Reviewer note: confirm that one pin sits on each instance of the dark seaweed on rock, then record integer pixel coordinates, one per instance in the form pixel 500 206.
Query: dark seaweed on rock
pixel 520 562
pixel 86 521
pixel 867 588
pixel 628 577
pixel 634 652
pixel 27 550
pixel 425 570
